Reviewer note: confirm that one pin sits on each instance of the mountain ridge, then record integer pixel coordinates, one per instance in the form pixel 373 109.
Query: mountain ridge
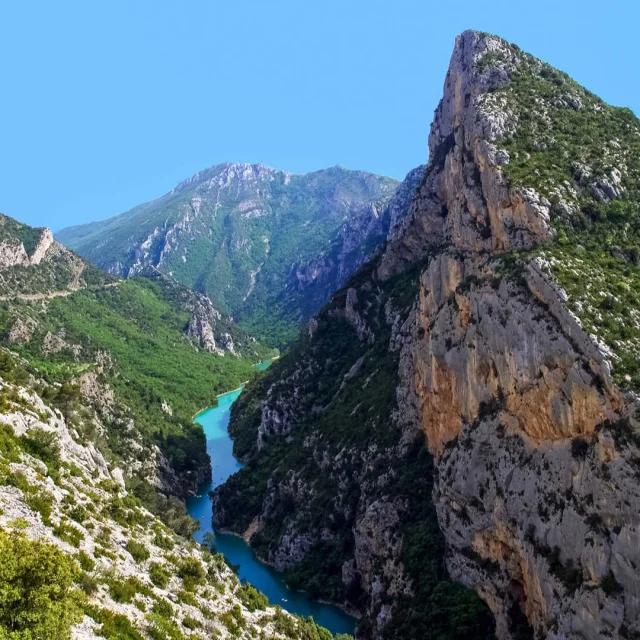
pixel 240 233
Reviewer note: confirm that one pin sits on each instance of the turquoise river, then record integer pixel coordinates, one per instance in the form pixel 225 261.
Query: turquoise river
pixel 220 447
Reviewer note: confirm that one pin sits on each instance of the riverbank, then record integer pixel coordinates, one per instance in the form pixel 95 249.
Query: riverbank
pixel 194 417
pixel 350 611
pixel 265 578
pixel 262 366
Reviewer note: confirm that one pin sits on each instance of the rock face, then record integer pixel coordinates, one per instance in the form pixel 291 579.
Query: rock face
pixel 516 400
pixel 53 270
pixel 529 419
pixel 208 328
pixel 267 246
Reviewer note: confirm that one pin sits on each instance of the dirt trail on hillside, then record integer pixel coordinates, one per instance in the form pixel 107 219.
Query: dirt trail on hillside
pixel 34 297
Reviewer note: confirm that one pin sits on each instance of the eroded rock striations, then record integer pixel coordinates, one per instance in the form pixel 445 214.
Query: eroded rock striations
pixel 521 383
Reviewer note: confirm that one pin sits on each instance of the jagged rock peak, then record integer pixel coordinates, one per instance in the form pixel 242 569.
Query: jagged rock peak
pixel 464 198
pixel 225 172
pixel 519 362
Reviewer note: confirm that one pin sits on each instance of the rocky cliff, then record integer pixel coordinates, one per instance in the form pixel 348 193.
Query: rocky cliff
pixel 266 246
pixel 478 379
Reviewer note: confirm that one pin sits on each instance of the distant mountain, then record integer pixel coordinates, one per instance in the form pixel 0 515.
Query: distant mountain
pixel 267 246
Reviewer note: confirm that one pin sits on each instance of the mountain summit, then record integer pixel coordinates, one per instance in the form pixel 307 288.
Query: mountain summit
pixel 265 245
pixel 463 414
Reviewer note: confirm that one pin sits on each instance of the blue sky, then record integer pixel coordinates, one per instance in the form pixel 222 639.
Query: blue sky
pixel 108 104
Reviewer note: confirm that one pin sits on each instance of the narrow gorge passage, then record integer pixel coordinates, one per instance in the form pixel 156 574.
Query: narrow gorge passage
pixel 215 421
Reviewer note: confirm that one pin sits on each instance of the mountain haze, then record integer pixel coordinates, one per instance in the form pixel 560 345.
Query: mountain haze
pixel 266 246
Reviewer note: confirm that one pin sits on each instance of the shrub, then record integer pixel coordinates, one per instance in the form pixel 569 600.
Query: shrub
pixel 110 486
pixel 88 583
pixel 187 598
pixel 78 513
pixel 163 608
pixel 85 561
pixel 163 629
pixel 19 480
pixel 159 575
pixel 43 445
pixel 36 595
pixel 124 591
pixel 114 626
pixel 9 446
pixel 579 448
pixel 138 551
pixel 610 585
pixel 235 622
pixel 69 533
pixel 190 623
pixel 251 598
pixel 41 502
pixel 192 573
pixel 164 542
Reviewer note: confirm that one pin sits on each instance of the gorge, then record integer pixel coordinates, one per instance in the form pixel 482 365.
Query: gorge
pixel 460 419
pixel 449 448
pixel 220 448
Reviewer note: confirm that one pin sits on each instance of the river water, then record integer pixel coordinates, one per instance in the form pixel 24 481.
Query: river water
pixel 215 422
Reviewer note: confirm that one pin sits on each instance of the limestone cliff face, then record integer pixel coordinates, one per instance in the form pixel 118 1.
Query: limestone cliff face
pixel 207 328
pixel 57 270
pixel 533 438
pixel 534 445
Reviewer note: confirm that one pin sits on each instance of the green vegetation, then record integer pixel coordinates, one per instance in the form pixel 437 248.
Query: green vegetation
pixel 192 573
pixel 124 591
pixel 47 276
pixel 162 629
pixel 355 383
pixel 128 340
pixel 43 591
pixel 37 598
pixel 280 222
pixel 67 532
pixel 251 598
pixel 12 231
pixel 139 325
pixel 159 575
pixel 297 627
pixel 138 551
pixel 583 155
pixel 114 626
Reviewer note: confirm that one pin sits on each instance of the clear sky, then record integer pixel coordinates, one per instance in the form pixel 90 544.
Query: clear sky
pixel 107 104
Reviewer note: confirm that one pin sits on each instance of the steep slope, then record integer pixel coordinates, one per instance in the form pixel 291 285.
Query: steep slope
pixel 267 246
pixel 480 374
pixel 80 557
pixel 146 353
